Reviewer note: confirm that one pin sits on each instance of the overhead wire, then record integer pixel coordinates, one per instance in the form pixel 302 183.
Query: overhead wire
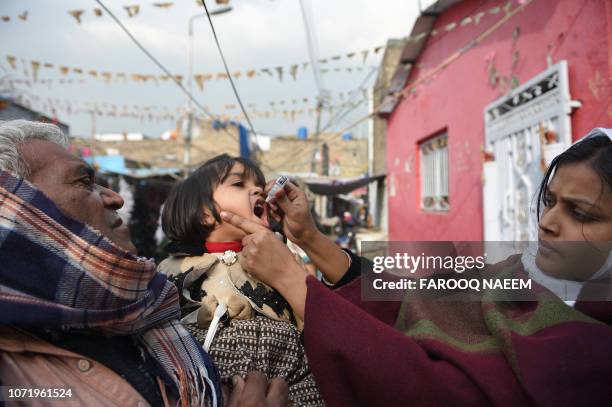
pixel 329 124
pixel 227 71
pixel 396 97
pixel 312 52
pixel 331 121
pixel 161 66
pixel 453 57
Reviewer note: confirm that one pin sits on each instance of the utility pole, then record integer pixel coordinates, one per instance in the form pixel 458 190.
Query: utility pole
pixel 94 112
pixel 313 163
pixel 189 133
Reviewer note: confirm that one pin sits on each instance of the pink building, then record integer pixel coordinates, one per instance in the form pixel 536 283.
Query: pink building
pixel 493 90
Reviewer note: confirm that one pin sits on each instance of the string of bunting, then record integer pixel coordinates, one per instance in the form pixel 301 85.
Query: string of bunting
pixel 23 17
pixel 35 66
pixel 411 89
pixel 278 71
pixel 55 106
pixel 131 10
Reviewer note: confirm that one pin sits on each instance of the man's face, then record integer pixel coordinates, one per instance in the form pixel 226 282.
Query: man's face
pixel 69 182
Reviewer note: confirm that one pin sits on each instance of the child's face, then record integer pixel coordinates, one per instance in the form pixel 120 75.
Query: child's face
pixel 241 195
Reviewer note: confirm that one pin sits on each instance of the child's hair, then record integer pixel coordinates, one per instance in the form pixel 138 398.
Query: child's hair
pixel 182 217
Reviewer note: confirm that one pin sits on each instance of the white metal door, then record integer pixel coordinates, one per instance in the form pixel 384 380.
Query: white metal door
pixel 523 132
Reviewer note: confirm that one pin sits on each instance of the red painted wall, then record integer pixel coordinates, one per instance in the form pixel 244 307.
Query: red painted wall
pixel 579 31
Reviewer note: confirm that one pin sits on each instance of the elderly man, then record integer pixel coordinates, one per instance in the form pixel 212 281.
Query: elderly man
pixel 81 316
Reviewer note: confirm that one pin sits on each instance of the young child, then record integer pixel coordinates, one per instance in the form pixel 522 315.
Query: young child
pixel 244 324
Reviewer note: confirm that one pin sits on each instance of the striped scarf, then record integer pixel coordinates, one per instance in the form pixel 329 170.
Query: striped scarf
pixel 59 273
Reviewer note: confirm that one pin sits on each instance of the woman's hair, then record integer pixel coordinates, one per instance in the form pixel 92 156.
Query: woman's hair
pixel 595 149
pixel 182 216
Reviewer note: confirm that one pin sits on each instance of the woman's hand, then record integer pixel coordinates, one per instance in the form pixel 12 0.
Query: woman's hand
pixel 290 208
pixel 269 260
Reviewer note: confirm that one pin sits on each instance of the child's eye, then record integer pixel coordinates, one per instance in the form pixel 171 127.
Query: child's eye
pixel 238 184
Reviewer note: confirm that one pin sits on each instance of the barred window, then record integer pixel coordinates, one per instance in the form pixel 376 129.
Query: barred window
pixel 434 174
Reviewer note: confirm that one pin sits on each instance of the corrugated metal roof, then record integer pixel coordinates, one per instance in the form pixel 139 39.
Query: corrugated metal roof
pixel 412 49
pixel 115 164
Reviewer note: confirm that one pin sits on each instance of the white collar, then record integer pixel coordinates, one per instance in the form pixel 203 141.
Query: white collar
pixel 568 290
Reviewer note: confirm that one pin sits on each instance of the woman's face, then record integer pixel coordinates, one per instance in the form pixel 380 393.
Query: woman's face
pixel 575 228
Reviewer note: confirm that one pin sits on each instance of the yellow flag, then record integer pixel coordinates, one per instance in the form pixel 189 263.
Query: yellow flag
pixel 132 10
pixel 77 14
pixel 12 61
pixel 35 67
pixel 164 5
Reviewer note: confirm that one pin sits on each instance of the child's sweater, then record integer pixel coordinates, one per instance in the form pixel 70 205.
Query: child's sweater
pixel 258 331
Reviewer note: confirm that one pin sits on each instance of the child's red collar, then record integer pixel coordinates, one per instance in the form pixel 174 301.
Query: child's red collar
pixel 220 247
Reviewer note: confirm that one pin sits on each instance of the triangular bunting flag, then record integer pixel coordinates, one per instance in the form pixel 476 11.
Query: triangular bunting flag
pixel 107 76
pixel 199 81
pixel 12 61
pixel 364 55
pixel 164 5
pixel 132 10
pixel 76 14
pixel 35 67
pixel 293 71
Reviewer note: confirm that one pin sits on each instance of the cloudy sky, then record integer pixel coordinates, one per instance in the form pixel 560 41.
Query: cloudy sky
pixel 256 34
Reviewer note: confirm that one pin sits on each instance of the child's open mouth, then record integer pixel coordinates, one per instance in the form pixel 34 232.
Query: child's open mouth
pixel 259 210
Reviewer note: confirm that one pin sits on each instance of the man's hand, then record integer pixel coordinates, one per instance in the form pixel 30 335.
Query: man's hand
pixel 257 391
pixel 290 208
pixel 263 255
pixel 269 260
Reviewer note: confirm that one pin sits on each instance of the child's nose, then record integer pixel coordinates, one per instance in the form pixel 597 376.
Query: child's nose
pixel 257 191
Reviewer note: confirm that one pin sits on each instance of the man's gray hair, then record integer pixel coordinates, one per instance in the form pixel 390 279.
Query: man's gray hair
pixel 13 133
